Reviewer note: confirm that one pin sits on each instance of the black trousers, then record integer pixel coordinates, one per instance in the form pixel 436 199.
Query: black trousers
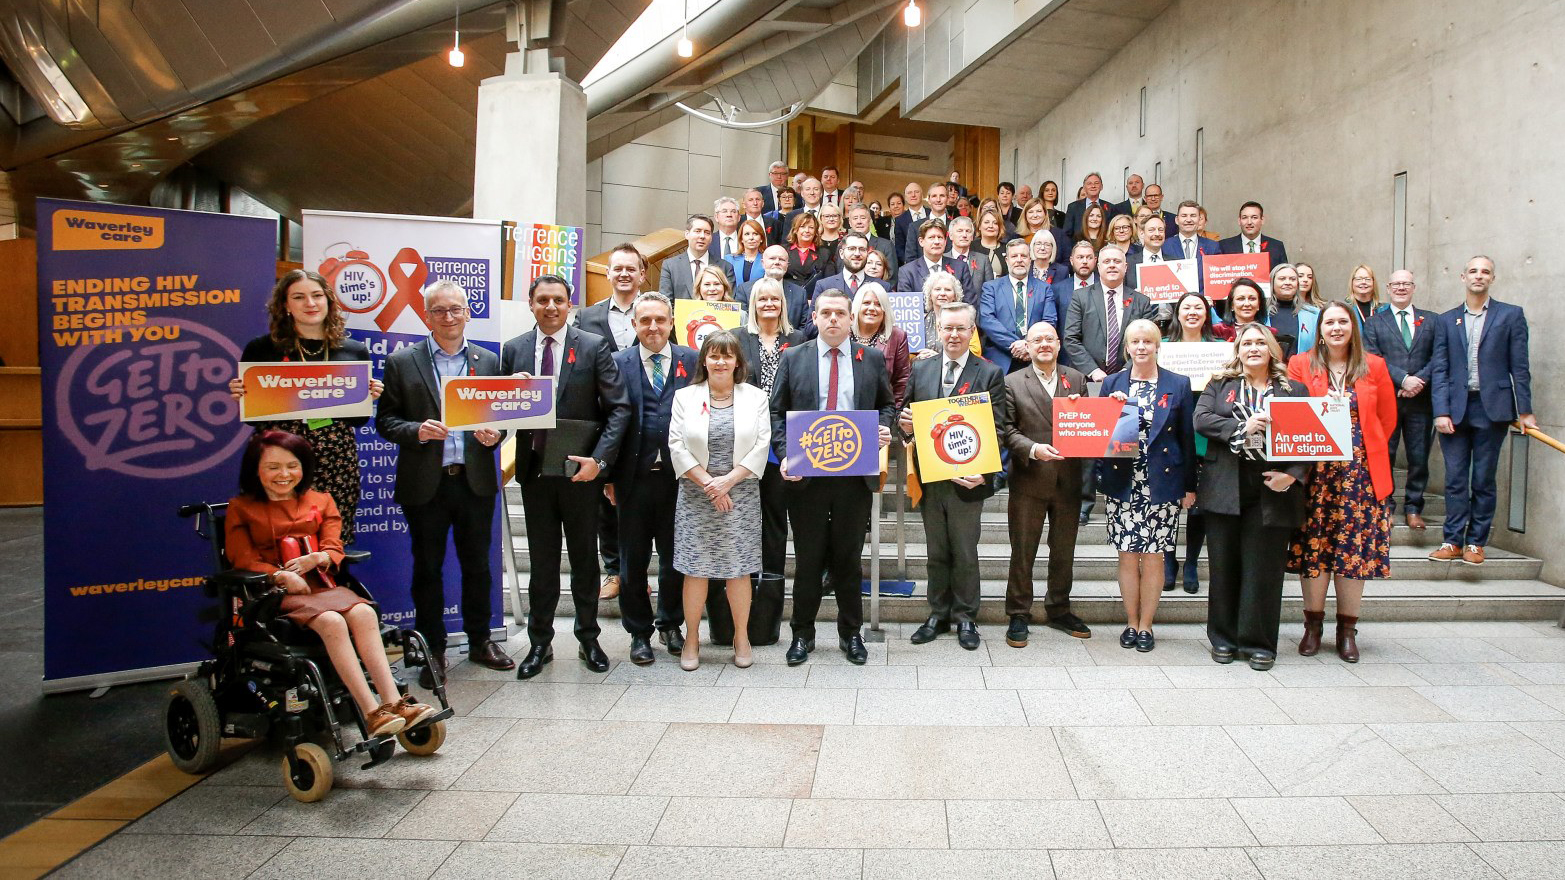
pixel 1025 517
pixel 1416 428
pixel 829 517
pixel 608 536
pixel 553 505
pixel 1247 558
pixel 468 517
pixel 774 520
pixel 646 519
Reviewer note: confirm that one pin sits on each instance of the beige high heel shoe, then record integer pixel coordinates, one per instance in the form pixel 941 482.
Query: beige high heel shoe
pixel 690 657
pixel 745 660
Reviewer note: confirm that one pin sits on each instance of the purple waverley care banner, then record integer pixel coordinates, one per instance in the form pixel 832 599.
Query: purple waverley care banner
pixel 834 443
pixel 142 315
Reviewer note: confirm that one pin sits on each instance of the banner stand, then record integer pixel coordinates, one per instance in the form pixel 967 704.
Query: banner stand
pixel 875 634
pixel 513 583
pixel 110 679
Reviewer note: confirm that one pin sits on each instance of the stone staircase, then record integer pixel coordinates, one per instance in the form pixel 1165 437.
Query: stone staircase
pixel 1506 587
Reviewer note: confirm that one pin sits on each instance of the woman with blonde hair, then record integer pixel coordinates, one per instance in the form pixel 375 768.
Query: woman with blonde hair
pixel 873 324
pixel 940 288
pixel 1364 292
pixel 1309 293
pixel 712 285
pixel 1122 232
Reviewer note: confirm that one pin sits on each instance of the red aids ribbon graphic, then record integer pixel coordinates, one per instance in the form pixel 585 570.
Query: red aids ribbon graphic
pixel 1163 404
pixel 1323 405
pixel 963 389
pixel 410 289
pixel 1230 398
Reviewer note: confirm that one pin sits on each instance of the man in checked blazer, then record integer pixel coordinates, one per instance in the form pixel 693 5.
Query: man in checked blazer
pixel 1405 336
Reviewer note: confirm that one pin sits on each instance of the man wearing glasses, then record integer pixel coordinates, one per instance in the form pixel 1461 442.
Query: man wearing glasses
pixel 1401 335
pixel 446 480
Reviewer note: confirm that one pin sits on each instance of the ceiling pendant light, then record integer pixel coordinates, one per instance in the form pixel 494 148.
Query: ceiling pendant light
pixel 455 56
pixel 912 15
pixel 685 48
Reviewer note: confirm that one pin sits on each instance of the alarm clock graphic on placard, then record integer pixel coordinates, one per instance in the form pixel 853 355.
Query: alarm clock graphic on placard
pixel 698 329
pixel 956 441
pixel 359 284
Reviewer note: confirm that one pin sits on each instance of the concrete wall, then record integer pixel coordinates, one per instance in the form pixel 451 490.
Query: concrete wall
pixel 663 177
pixel 1312 108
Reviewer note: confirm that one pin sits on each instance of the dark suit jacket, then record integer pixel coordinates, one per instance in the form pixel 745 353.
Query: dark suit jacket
pixel 1170 449
pixel 913 275
pixel 1138 255
pixel 639 449
pixel 750 344
pixel 888 252
pixel 978 265
pixel 1275 247
pixel 977 376
pixel 411 397
pixel 768 200
pixel 795 296
pixel 776 227
pixel 1218 491
pixel 1029 419
pixel 1203 245
pixel 1503 364
pixel 1064 288
pixel 1086 325
pixel 1383 336
pixel 594 319
pixel 675 280
pixel 796 388
pixel 997 317
pixel 905 235
pixel 587 388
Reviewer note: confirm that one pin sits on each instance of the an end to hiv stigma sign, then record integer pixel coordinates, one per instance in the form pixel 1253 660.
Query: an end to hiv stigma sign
pixel 1309 429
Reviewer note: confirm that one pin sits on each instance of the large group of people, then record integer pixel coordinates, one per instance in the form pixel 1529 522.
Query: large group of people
pixel 1027 299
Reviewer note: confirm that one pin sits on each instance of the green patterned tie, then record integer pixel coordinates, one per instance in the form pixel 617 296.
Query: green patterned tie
pixel 1021 307
pixel 1407 332
pixel 657 373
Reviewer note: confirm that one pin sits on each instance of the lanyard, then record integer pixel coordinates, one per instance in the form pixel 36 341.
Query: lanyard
pixel 436 367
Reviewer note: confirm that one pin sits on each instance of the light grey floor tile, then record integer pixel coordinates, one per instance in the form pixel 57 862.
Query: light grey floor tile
pixel 210 809
pixel 1169 652
pixel 899 864
pixel 1448 861
pixel 1410 818
pixel 723 821
pixel 1473 757
pixel 1538 673
pixel 1524 861
pixel 764 675
pixel 1217 675
pixel 1315 675
pixel 1502 703
pixel 1540 650
pixel 463 695
pixel 1494 629
pixel 529 861
pixel 1386 675
pixel 1462 674
pixel 867 824
pixel 1330 759
pixel 172 857
pixel 953 678
pixel 1551 694
pixel 1005 825
pixel 1374 649
pixel 943 651
pixel 765 760
pixel 802 705
pixel 1355 705
pixel 1029 678
pixel 353 813
pixel 337 858
pixel 656 702
pixel 957 708
pixel 1139 677
pixel 467 739
pixel 1530 816
pixel 1153 824
pixel 827 650
pixel 1549 734
pixel 1457 651
pixel 1045 648
pixel 666 671
pixel 1118 864
pixel 566 669
pixel 863 677
pixel 1199 706
pixel 939 762
pixel 1299 821
pixel 454 815
pixel 1089 708
pixel 580 757
pixel 579 818
pixel 1158 762
pixel 531 699
pixel 750 863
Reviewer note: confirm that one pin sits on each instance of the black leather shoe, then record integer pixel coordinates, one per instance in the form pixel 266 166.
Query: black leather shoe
pixel 967 635
pixel 853 647
pixel 592 656
pixel 1071 625
pixel 672 639
pixel 490 656
pixel 1144 641
pixel 1127 639
pixel 799 650
pixel 1261 661
pixel 1016 633
pixel 1192 582
pixel 932 627
pixel 533 663
pixel 426 676
pixel 1222 654
pixel 641 652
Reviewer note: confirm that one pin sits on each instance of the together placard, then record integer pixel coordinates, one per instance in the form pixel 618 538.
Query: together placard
pixel 955 437
pixel 696 319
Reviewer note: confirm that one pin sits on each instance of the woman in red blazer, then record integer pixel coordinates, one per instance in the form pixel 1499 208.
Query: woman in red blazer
pixel 1347 535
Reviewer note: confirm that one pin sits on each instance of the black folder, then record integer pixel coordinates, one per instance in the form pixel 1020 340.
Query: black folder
pixel 568 437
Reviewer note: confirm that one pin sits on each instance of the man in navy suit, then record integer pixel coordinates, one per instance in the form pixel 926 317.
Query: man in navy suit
pixel 1084 274
pixel 852 254
pixel 1134 186
pixel 1482 382
pixel 1405 336
pixel 1012 304
pixel 1189 243
pixel 1250 240
pixel 774 262
pixel 860 220
pixel 777 178
pixel 932 238
pixel 904 230
pixel 1093 187
pixel 1154 200
pixel 643 486
pixel 1154 248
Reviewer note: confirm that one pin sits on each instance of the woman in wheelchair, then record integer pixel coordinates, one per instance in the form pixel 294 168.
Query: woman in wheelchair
pixel 279 525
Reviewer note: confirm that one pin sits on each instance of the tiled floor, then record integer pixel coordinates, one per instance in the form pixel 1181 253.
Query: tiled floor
pixel 1441 755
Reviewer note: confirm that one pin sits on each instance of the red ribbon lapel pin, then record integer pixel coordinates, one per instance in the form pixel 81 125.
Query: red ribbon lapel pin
pixel 679 369
pixel 570 356
pixel 1163 403
pixel 1230 398
pixel 965 386
pixel 859 355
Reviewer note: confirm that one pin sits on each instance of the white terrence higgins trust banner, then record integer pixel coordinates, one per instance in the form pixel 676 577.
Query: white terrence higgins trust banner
pixel 379 265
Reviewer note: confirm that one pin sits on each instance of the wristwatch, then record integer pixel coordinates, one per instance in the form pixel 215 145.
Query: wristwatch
pixel 602 465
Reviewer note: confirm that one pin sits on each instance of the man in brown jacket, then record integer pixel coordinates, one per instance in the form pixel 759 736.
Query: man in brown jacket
pixel 1044 486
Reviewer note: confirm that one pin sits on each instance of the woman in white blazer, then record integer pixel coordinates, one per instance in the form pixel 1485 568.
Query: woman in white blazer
pixel 718 436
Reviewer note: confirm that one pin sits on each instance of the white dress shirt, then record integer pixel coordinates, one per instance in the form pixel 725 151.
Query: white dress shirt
pixel 844 374
pixel 559 353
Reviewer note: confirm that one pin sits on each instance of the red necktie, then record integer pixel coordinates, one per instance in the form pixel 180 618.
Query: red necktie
pixel 831 382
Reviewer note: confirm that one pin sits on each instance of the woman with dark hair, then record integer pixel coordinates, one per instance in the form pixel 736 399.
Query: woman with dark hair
pixel 719 435
pixel 307 325
pixel 1093 228
pixel 1347 536
pixel 1192 322
pixel 1246 305
pixel 804 256
pixel 1252 506
pixel 752 241
pixel 281 526
pixel 1049 194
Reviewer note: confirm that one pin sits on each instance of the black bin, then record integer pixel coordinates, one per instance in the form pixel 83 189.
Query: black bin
pixel 766 608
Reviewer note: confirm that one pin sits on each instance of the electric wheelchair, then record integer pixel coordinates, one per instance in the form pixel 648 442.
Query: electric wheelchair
pixel 269 678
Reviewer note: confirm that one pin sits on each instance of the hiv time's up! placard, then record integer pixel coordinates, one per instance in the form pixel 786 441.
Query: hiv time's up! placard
pixel 955 437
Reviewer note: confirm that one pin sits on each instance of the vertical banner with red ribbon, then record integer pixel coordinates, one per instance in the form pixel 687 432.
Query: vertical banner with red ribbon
pixel 379 265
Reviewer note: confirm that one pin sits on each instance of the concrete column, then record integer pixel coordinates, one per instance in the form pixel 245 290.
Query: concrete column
pixel 532 150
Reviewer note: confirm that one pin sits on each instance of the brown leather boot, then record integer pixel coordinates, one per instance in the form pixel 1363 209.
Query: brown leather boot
pixel 1309 646
pixel 1347 646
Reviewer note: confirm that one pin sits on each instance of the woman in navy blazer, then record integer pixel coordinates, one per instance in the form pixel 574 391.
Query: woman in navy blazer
pixel 1146 492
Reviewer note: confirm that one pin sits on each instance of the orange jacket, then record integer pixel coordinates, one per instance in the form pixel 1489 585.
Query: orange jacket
pixel 1377 404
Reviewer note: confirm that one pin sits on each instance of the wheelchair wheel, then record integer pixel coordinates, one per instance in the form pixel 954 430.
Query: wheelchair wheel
pixel 314 777
pixel 192 730
pixel 424 740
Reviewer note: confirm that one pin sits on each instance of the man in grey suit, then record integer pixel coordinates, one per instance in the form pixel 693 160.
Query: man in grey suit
pixel 1398 334
pixel 677 279
pixel 1096 320
pixel 860 220
pixel 979 268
